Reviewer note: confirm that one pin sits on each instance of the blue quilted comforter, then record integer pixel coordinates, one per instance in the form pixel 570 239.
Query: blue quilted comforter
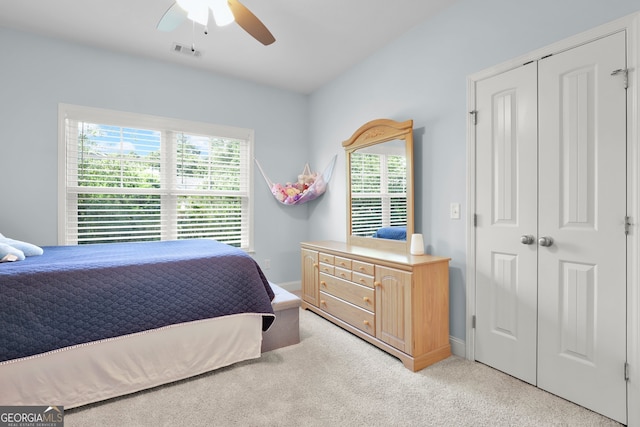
pixel 77 294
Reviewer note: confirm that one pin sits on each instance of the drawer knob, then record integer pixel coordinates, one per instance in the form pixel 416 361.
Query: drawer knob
pixel 323 283
pixel 323 302
pixel 362 280
pixel 362 268
pixel 377 284
pixel 366 323
pixel 366 299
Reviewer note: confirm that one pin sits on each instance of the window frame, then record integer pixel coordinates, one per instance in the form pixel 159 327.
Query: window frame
pixel 166 126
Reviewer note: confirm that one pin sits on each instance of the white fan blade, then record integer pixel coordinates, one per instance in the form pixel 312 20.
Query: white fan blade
pixel 173 17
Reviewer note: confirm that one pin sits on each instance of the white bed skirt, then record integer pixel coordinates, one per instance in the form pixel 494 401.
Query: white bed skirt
pixel 100 370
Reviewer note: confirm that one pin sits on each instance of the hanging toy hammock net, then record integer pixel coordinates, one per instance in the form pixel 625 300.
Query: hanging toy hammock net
pixel 309 186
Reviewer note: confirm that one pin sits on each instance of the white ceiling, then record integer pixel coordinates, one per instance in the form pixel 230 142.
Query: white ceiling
pixel 315 40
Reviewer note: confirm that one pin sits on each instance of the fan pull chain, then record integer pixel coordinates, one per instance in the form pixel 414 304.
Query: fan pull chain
pixel 193 36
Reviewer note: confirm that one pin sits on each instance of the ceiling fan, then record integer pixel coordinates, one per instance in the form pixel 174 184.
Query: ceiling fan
pixel 224 12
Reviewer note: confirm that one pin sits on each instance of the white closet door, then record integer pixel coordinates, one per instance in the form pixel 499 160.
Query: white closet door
pixel 551 163
pixel 506 180
pixel 582 206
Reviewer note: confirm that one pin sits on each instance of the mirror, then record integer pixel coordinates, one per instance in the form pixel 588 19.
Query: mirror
pixel 379 161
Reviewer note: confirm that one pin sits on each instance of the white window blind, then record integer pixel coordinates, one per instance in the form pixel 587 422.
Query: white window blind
pixel 139 178
pixel 378 192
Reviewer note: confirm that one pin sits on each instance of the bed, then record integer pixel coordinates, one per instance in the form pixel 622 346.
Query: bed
pixel 80 324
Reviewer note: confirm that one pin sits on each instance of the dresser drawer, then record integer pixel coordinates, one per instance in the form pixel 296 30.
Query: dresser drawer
pixel 362 267
pixel 342 262
pixel 326 258
pixel 348 291
pixel 342 273
pixel 326 268
pixel 362 279
pixel 355 316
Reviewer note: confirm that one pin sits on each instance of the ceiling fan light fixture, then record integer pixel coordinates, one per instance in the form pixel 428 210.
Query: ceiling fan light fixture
pixel 197 10
pixel 221 12
pixel 224 11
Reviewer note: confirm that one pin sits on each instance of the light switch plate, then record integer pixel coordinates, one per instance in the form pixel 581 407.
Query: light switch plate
pixel 455 210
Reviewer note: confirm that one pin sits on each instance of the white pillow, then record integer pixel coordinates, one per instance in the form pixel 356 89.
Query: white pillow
pixel 6 250
pixel 27 248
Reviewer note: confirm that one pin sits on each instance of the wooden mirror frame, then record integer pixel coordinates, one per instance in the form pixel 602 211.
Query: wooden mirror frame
pixel 377 132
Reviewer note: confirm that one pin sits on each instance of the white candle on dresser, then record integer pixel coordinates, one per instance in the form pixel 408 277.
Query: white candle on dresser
pixel 417 244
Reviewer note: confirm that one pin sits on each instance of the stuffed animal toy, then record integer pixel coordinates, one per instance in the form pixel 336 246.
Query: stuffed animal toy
pixel 308 186
pixel 278 191
pixel 293 194
pixel 307 179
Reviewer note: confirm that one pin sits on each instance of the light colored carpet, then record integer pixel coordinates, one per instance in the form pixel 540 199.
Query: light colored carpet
pixel 333 378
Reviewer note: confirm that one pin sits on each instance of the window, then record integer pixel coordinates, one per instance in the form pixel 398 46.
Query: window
pixel 378 192
pixel 130 178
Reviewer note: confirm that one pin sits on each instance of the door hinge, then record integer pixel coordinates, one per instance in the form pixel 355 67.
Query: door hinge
pixel 626 371
pixel 627 225
pixel 475 220
pixel 474 116
pixel 625 74
pixel 473 321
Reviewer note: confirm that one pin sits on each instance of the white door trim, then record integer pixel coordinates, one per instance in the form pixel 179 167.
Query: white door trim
pixel 630 24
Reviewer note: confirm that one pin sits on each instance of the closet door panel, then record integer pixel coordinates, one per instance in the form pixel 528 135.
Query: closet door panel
pixel 582 206
pixel 506 207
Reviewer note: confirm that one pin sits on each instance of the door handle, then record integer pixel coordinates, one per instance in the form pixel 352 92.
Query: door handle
pixel 545 241
pixel 527 239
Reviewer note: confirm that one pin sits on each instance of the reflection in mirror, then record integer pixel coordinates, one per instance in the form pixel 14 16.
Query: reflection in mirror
pixel 379 191
pixel 380 187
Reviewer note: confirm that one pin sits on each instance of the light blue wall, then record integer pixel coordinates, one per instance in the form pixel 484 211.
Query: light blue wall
pixel 422 76
pixel 37 73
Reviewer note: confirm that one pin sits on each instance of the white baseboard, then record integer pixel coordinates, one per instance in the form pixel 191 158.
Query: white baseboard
pixel 458 347
pixel 291 286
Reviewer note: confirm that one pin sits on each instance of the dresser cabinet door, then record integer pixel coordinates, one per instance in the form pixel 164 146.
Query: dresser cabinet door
pixel 393 307
pixel 310 292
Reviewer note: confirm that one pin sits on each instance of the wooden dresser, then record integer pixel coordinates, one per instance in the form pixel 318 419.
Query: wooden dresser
pixel 398 302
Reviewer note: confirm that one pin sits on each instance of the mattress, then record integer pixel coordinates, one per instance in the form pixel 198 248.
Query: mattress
pixel 72 295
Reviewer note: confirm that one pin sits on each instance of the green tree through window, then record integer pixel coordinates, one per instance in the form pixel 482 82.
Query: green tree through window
pixel 129 184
